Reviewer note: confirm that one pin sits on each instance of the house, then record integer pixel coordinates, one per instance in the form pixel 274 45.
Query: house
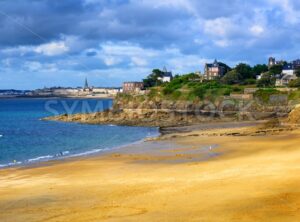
pixel 132 87
pixel 214 70
pixel 285 79
pixel 296 64
pixel 288 69
pixel 166 76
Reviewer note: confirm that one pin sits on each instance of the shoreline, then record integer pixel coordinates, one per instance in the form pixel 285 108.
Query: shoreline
pixel 72 157
pixel 163 134
pixel 224 178
pixel 56 97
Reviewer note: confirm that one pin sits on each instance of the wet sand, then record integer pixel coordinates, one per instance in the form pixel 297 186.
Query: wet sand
pixel 181 178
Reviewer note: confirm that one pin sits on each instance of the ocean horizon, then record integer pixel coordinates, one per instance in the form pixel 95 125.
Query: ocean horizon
pixel 26 139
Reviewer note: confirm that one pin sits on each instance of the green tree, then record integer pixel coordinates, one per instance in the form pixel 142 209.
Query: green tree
pixel 227 68
pixel 153 78
pixel 259 69
pixel 276 69
pixel 244 70
pixel 267 80
pixel 295 83
pixel 297 72
pixel 231 77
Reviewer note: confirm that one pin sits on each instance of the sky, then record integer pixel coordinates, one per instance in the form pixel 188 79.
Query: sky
pixel 60 43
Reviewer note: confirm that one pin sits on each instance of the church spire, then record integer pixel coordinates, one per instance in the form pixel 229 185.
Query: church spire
pixel 86 85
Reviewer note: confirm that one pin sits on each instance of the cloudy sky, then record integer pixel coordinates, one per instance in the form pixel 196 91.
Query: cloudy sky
pixel 60 42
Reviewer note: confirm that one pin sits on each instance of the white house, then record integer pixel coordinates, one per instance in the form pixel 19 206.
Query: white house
pixel 288 69
pixel 285 79
pixel 166 77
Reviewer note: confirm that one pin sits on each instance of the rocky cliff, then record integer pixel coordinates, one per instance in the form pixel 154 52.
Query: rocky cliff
pixel 135 111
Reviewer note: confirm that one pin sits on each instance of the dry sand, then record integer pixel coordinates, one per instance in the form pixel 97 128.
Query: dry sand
pixel 186 179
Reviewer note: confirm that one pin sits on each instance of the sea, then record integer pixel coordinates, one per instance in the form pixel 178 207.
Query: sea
pixel 26 139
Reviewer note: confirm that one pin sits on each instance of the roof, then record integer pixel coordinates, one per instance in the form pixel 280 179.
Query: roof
pixel 209 65
pixel 288 77
pixel 296 62
pixel 288 66
pixel 133 83
pixel 167 74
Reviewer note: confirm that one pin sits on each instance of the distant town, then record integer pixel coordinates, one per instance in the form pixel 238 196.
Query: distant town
pixel 85 91
pixel 282 74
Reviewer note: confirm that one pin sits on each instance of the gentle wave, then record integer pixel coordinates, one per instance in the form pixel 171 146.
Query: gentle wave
pixel 40 158
pixel 68 154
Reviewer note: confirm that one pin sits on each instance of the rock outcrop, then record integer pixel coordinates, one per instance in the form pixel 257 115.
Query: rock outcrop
pixel 158 113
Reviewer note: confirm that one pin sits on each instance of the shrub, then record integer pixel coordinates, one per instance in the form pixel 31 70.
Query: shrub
pixel 267 80
pixel 231 77
pixel 295 83
pixel 265 94
pixel 176 94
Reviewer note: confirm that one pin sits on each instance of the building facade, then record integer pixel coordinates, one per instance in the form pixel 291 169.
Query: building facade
pixel 296 64
pixel 166 76
pixel 285 80
pixel 214 70
pixel 132 87
pixel 288 69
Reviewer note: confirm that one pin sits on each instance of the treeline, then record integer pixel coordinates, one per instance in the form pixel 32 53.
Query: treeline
pixel 242 74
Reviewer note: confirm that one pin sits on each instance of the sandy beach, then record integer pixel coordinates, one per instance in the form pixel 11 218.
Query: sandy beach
pixel 186 177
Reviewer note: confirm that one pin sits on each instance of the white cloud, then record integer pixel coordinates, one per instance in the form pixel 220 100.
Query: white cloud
pixel 181 4
pixel 111 60
pixel 115 53
pixel 52 49
pixel 119 55
pixel 35 66
pixel 222 43
pixel 126 49
pixel 219 27
pixel 138 61
pixel 185 64
pixel 48 49
pixel 20 50
pixel 257 30
pixel 291 15
pixel 6 62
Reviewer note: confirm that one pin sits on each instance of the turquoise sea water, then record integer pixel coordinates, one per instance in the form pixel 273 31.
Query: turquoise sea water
pixel 25 139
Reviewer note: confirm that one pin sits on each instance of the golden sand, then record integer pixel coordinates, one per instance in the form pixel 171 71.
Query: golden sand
pixel 251 179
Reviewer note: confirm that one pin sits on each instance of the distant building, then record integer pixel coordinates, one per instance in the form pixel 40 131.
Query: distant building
pixel 86 87
pixel 214 70
pixel 288 69
pixel 167 76
pixel 285 79
pixel 131 87
pixel 272 61
pixel 296 64
pixel 106 90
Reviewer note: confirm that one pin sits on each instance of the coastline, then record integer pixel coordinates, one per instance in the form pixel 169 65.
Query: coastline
pixel 224 178
pixel 44 160
pixel 57 97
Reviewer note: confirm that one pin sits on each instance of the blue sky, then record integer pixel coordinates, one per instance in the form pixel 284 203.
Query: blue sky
pixel 59 43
